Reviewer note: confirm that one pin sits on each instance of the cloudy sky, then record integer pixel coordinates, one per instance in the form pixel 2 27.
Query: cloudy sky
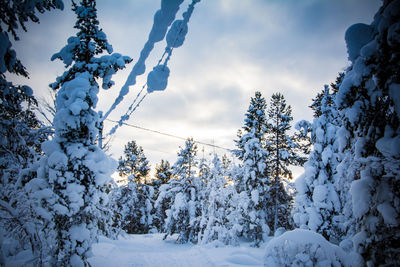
pixel 233 48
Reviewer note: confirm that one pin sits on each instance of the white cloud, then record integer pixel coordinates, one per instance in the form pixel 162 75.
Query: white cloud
pixel 233 48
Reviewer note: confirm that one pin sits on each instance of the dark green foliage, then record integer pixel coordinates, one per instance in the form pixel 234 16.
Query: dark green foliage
pixel 285 150
pixel 134 163
pixel 163 176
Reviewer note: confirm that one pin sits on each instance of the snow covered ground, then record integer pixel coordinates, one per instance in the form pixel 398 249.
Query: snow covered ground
pixel 292 248
pixel 151 250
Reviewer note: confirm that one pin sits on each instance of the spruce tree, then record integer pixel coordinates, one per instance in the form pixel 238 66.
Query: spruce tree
pixel 318 206
pixel 162 177
pixel 216 223
pixel 74 172
pixel 125 202
pixel 21 134
pixel 368 100
pixel 134 163
pixel 255 118
pixel 285 150
pixel 183 192
pixel 253 182
pixel 163 172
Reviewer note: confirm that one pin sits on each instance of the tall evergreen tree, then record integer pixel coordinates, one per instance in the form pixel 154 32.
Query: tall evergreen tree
pixel 133 207
pixel 368 100
pixel 317 206
pixel 183 191
pixel 74 173
pixel 163 172
pixel 285 150
pixel 255 118
pixel 216 222
pixel 134 163
pixel 21 132
pixel 163 176
pixel 253 182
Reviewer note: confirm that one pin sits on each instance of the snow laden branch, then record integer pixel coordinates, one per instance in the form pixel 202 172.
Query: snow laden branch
pixel 157 79
pixel 15 217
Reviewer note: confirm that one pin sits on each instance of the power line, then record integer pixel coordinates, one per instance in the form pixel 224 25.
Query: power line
pixel 169 135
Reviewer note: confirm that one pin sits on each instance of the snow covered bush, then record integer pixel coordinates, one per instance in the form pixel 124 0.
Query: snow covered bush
pixel 307 248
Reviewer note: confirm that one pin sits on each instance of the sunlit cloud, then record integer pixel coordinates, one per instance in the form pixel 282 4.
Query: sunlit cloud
pixel 233 48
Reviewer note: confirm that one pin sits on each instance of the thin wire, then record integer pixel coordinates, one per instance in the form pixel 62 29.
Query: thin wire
pixel 138 104
pixel 136 98
pixel 123 118
pixel 170 135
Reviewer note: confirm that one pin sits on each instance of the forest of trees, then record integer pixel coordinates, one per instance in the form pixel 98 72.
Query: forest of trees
pixel 57 195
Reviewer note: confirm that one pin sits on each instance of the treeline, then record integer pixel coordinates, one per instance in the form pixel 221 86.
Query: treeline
pixel 204 200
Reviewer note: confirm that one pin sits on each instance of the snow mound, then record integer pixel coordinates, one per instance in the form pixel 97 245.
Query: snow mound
pixel 306 248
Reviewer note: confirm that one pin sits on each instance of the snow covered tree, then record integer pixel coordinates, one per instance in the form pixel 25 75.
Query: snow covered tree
pixel 215 224
pixel 284 151
pixel 317 204
pixel 21 132
pixel 124 200
pixel 163 175
pixel 369 102
pixel 163 172
pixel 253 182
pixel 204 169
pixel 19 127
pixel 133 208
pixel 255 118
pixel 74 173
pixel 134 163
pixel 183 193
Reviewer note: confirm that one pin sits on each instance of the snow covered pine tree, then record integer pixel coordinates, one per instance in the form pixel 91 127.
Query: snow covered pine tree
pixel 135 163
pixel 216 223
pixel 183 191
pixel 74 172
pixel 317 205
pixel 284 151
pixel 253 183
pixel 163 175
pixel 369 102
pixel 163 172
pixel 134 200
pixel 20 134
